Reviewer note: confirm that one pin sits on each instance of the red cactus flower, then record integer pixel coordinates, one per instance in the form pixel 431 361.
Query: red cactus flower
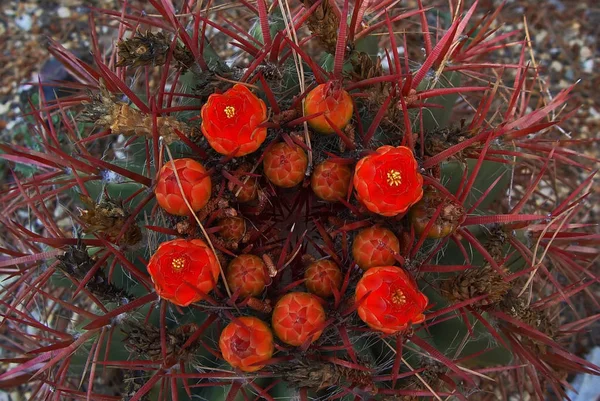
pixel 248 274
pixel 230 121
pixel 232 228
pixel 284 165
pixel 388 182
pixel 330 181
pixel 375 246
pixel 322 277
pixel 183 271
pixel 246 343
pixel 298 317
pixel 195 182
pixel 394 301
pixel 335 103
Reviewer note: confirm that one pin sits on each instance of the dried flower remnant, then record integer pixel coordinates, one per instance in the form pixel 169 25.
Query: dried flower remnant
pixel 143 49
pixel 324 23
pixel 322 277
pixel 475 282
pixel 450 216
pixel 151 49
pixel 109 218
pixel 387 182
pixel 334 103
pixel 77 263
pixel 298 317
pixel 194 180
pixel 375 246
pixel 144 340
pixel 123 119
pixel 246 343
pixel 183 271
pixel 330 181
pixel 231 121
pixel 320 375
pixel 389 300
pixel 247 275
pixel 284 165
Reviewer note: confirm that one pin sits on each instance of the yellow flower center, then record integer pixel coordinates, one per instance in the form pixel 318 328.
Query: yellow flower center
pixel 229 111
pixel 394 178
pixel 178 264
pixel 398 298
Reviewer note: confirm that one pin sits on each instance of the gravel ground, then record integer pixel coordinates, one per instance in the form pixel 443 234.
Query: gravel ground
pixel 564 35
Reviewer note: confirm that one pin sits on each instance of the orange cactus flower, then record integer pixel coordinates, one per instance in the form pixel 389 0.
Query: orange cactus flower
pixel 230 121
pixel 183 271
pixel 248 274
pixel 232 228
pixel 322 277
pixel 195 182
pixel 246 343
pixel 335 103
pixel 388 182
pixel 375 246
pixel 330 181
pixel 394 300
pixel 298 317
pixel 284 165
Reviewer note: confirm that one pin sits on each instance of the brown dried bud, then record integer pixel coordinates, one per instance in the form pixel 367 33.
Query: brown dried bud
pixel 539 320
pixel 451 215
pixel 475 282
pixel 431 376
pixel 495 243
pixel 324 23
pixel 122 119
pixel 76 263
pixel 441 139
pixel 363 67
pixel 144 339
pixel 143 49
pixel 151 49
pixel 134 380
pixel 319 375
pixel 109 218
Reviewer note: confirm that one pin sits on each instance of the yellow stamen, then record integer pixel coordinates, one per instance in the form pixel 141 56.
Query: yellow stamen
pixel 230 111
pixel 398 297
pixel 394 178
pixel 178 264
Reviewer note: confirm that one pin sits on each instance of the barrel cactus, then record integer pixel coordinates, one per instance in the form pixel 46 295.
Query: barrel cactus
pixel 295 200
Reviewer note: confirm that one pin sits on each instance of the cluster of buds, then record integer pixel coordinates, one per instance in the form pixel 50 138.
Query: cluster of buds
pixel 386 183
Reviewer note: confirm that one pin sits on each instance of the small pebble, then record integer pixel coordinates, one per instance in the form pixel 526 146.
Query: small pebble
pixel 24 22
pixel 556 66
pixel 585 53
pixel 63 12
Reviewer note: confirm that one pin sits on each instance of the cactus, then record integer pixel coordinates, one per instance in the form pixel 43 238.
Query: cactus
pixel 249 222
